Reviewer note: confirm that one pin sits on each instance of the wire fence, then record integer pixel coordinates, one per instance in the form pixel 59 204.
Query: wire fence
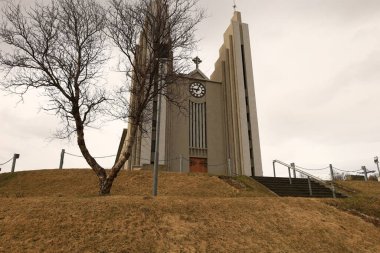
pixel 109 156
pixel 326 173
pixel 13 159
pixel 329 172
pixel 96 157
pixel 2 164
pixel 5 163
pixel 347 171
pixel 220 166
pixel 302 168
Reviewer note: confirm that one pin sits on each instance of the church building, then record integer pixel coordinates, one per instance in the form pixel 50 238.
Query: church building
pixel 218 132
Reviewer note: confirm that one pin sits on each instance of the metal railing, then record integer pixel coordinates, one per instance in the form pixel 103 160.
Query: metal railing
pixel 309 176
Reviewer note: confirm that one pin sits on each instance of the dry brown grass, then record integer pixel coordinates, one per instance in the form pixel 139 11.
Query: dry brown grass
pixel 202 214
pixel 364 200
pixel 361 187
pixel 83 183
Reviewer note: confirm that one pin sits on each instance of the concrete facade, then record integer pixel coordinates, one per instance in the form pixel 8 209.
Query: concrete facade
pixel 215 132
pixel 234 70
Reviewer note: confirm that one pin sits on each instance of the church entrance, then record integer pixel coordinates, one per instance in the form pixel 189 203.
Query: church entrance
pixel 198 165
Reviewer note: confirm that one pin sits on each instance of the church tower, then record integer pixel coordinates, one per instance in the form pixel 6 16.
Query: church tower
pixel 234 70
pixel 215 128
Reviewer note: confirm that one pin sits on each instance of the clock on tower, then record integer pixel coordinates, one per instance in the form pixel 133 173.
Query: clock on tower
pixel 197 90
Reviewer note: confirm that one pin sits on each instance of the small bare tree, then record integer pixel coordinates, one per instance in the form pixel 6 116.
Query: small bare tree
pixel 60 48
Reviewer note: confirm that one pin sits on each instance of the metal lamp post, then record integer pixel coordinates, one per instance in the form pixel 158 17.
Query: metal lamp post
pixel 158 123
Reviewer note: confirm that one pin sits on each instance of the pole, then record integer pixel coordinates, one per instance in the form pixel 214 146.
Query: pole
pixel 274 168
pixel 180 163
pixel 62 158
pixel 331 172
pixel 365 173
pixel 15 157
pixel 294 169
pixel 332 180
pixel 377 164
pixel 158 123
pixel 229 167
pixel 333 190
pixel 290 176
pixel 310 190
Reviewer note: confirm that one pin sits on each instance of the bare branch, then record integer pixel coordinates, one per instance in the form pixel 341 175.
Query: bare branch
pixel 152 35
pixel 59 49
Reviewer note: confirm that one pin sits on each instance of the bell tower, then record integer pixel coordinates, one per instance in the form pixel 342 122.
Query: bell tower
pixel 234 70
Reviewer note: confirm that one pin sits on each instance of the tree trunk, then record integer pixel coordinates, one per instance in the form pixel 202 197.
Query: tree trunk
pixel 105 186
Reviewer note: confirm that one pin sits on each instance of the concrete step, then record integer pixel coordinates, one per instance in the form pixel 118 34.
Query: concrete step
pixel 298 188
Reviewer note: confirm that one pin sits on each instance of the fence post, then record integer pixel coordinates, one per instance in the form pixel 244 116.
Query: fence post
pixel 331 172
pixel 290 176
pixel 274 168
pixel 377 164
pixel 62 158
pixel 310 190
pixel 332 180
pixel 333 190
pixel 294 169
pixel 180 163
pixel 15 157
pixel 365 173
pixel 229 167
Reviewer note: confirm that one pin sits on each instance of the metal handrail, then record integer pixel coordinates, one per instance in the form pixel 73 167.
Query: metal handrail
pixel 309 176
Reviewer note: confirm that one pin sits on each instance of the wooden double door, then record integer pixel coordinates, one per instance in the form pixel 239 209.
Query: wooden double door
pixel 198 165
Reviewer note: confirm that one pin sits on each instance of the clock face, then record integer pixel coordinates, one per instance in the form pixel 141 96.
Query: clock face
pixel 198 90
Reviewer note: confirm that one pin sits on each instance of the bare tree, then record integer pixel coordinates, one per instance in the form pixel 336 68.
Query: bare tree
pixel 156 38
pixel 151 34
pixel 59 49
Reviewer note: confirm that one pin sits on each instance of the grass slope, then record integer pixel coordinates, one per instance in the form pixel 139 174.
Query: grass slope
pixel 364 200
pixel 83 183
pixel 59 211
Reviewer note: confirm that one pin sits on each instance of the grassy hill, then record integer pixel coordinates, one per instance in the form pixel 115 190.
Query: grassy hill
pixel 59 211
pixel 364 199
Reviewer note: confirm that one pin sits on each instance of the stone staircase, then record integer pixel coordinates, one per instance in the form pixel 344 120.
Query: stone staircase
pixel 298 188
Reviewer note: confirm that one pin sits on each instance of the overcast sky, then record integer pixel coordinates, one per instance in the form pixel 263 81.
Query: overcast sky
pixel 317 71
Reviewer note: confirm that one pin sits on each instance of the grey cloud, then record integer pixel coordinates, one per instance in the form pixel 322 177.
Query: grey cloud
pixel 26 126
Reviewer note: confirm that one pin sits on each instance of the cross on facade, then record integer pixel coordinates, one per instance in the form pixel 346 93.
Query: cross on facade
pixel 197 61
pixel 235 6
